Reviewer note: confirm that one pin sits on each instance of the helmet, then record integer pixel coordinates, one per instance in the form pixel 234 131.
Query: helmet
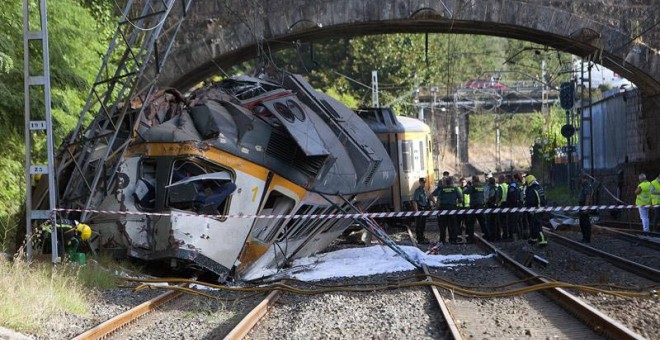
pixel 529 179
pixel 85 231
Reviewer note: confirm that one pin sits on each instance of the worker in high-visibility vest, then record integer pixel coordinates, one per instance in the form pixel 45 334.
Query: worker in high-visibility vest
pixel 462 219
pixel 655 200
pixel 503 218
pixel 643 200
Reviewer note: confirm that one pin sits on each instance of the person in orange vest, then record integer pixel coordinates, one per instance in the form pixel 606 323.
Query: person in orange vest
pixel 643 200
pixel 655 200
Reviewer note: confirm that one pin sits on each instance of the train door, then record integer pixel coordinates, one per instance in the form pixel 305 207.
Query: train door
pixel 277 203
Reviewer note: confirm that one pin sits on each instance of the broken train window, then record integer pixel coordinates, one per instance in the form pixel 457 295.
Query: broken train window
pixel 145 185
pixel 199 186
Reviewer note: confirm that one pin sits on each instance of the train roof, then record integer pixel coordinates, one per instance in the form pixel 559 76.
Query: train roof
pixel 384 120
pixel 286 126
pixel 413 124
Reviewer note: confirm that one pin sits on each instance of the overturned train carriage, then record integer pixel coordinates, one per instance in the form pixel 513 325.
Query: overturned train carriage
pixel 243 146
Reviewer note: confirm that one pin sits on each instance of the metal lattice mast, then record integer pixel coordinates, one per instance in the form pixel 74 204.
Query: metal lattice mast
pixel 37 122
pixel 89 159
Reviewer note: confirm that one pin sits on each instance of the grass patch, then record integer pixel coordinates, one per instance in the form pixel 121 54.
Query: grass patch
pixel 30 293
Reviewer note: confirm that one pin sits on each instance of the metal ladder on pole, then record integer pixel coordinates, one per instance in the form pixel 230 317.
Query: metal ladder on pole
pixel 89 158
pixel 36 123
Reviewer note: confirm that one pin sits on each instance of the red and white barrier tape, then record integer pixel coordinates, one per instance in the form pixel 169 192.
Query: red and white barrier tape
pixel 370 215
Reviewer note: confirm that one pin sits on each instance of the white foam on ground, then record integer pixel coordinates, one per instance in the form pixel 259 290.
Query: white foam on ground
pixel 370 261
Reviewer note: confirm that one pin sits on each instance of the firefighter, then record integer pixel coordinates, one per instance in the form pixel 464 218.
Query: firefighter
pixel 70 234
pixel 475 192
pixel 449 197
pixel 524 216
pixel 535 198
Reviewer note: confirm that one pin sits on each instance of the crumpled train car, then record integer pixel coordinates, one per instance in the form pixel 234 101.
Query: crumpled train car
pixel 242 147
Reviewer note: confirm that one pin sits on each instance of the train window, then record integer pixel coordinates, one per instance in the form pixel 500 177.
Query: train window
pixel 277 203
pixel 422 155
pixel 200 188
pixel 145 186
pixel 407 156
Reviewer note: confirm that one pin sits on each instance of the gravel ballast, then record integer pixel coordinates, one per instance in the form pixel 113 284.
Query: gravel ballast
pixel 530 316
pixel 642 315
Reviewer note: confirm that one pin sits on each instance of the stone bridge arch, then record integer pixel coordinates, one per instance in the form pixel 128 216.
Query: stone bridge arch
pixel 623 35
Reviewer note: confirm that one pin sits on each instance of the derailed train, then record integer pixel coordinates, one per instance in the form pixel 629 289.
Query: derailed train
pixel 247 146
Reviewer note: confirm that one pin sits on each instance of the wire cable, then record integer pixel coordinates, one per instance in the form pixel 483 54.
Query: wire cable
pixel 630 292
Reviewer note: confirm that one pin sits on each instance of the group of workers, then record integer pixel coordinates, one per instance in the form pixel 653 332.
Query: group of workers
pixel 648 194
pixel 507 191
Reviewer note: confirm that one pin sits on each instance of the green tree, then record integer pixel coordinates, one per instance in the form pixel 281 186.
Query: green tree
pixel 76 46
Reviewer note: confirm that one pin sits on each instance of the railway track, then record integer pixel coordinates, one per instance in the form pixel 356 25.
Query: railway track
pixel 622 253
pixel 639 237
pixel 451 324
pixel 109 327
pixel 254 328
pixel 629 227
pixel 459 318
pixel 175 314
pixel 598 321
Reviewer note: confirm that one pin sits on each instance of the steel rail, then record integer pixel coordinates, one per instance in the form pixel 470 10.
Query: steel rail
pixel 627 265
pixel 627 235
pixel 109 326
pixel 252 319
pixel 628 229
pixel 449 319
pixel 593 317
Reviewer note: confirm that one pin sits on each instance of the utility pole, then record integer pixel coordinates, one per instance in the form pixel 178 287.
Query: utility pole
pixel 498 167
pixel 38 126
pixel 458 140
pixel 591 126
pixel 544 91
pixel 374 88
